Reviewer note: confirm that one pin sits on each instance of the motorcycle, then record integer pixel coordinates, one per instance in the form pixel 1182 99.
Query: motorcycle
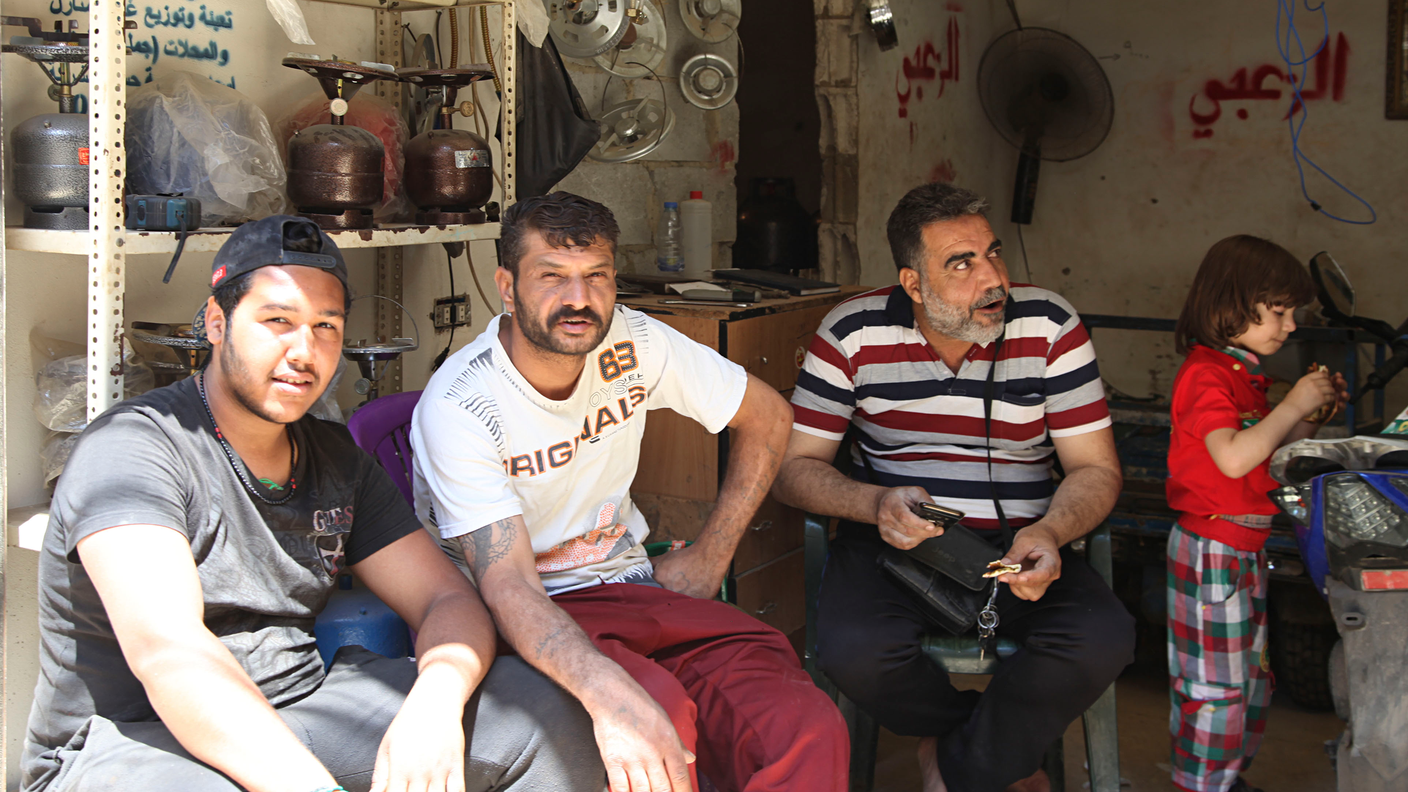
pixel 1348 499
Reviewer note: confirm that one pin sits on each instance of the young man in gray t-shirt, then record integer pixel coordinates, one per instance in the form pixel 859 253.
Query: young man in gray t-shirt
pixel 196 534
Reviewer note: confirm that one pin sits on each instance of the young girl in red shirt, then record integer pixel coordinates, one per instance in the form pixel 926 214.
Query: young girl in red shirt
pixel 1238 311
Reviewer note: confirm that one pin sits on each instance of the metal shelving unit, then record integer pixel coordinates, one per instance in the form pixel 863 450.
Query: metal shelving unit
pixel 209 240
pixel 106 244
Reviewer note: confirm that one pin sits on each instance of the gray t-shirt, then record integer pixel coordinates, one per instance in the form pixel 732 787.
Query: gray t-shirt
pixel 265 571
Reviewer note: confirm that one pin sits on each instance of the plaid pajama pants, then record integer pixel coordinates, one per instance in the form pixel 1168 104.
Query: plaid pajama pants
pixel 1219 680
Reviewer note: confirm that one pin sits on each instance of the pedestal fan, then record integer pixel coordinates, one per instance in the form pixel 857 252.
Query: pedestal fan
pixel 1048 96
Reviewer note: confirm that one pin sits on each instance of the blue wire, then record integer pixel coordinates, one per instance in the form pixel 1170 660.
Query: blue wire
pixel 1296 124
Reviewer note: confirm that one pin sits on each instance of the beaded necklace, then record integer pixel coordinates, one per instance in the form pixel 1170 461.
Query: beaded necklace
pixel 234 459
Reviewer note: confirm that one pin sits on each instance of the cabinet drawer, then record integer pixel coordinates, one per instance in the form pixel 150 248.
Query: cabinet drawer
pixel 771 347
pixel 677 458
pixel 671 518
pixel 773 532
pixel 775 593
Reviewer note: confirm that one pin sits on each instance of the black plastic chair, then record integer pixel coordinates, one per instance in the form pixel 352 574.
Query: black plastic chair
pixel 961 655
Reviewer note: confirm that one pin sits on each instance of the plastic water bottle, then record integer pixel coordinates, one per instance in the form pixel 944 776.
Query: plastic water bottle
pixel 697 234
pixel 667 241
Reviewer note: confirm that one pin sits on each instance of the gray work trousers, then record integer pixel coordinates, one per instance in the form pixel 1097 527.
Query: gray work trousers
pixel 522 732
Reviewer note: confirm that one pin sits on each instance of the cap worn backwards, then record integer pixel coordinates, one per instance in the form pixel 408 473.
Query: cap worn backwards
pixel 276 241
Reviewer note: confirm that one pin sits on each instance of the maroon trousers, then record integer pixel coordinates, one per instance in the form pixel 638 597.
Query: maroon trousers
pixel 731 685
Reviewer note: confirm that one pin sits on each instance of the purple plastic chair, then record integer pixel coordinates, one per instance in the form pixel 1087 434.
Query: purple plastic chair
pixel 382 428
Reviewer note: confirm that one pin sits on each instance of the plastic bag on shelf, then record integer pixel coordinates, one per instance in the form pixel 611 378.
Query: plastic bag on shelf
pixel 290 18
pixel 187 134
pixel 61 390
pixel 379 117
pixel 53 454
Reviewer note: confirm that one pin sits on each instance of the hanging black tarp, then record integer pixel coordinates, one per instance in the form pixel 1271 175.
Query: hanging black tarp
pixel 555 131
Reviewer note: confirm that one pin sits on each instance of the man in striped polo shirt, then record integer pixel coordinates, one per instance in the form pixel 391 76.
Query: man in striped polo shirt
pixel 906 369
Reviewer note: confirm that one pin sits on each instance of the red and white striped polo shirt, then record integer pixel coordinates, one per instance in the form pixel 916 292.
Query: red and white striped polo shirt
pixel 922 425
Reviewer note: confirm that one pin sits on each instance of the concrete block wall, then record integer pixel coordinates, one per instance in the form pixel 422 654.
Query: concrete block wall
pixel 698 154
pixel 837 71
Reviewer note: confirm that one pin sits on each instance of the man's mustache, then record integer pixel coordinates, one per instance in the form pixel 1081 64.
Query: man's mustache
pixel 994 295
pixel 563 314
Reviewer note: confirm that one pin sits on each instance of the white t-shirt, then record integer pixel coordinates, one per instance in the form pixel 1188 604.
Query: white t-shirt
pixel 488 446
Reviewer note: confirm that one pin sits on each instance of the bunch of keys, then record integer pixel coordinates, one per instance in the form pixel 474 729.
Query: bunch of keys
pixel 987 623
pixel 987 617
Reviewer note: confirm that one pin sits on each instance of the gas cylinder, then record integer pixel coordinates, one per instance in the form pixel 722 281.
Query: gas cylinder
pixel 50 165
pixel 774 230
pixel 51 170
pixel 449 175
pixel 449 172
pixel 334 170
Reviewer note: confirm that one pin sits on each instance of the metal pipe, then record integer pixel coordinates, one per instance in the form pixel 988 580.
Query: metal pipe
pixel 454 37
pixel 488 49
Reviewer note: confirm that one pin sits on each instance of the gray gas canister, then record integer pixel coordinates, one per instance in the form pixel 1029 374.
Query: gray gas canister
pixel 51 159
pixel 51 170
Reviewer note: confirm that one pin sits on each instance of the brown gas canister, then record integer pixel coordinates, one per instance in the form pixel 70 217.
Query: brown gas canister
pixel 449 172
pixel 332 169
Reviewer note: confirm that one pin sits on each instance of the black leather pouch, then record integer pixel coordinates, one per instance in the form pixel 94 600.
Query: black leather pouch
pixel 953 606
pixel 958 554
pixel 945 573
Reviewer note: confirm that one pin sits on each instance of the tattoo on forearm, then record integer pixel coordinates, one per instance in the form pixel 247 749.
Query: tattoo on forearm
pixel 546 648
pixel 488 545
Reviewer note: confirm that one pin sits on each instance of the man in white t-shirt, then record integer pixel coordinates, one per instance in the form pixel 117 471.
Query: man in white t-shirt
pixel 526 443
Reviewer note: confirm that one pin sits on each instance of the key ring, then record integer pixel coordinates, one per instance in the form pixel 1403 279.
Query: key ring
pixel 987 619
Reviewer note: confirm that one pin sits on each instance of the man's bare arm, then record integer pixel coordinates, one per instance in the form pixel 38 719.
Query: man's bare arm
pixel 455 644
pixel 757 442
pixel 147 580
pixel 1084 498
pixel 638 744
pixel 808 480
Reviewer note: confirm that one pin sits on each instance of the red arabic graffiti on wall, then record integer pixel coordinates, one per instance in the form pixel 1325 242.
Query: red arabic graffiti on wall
pixel 1205 107
pixel 921 69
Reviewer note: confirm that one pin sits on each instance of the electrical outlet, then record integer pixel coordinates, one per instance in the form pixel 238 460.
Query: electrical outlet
pixel 450 312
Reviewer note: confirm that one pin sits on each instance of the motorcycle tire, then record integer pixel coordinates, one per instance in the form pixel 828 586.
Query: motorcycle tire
pixel 1300 656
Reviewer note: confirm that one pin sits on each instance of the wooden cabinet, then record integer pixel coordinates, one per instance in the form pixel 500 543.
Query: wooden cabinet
pixel 682 465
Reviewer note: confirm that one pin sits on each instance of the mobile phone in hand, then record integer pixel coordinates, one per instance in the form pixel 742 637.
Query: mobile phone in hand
pixel 941 516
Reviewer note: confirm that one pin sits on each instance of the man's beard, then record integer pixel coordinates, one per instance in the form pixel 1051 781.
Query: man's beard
pixel 237 380
pixel 962 322
pixel 540 335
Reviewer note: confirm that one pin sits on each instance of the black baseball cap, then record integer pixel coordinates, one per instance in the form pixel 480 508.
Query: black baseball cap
pixel 277 241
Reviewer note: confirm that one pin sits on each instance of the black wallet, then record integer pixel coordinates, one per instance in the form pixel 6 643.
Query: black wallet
pixel 958 553
pixel 953 606
pixel 944 573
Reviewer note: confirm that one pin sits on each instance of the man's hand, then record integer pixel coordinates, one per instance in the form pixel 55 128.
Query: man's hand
pixel 1038 550
pixel 638 743
pixel 639 746
pixel 685 571
pixel 423 750
pixel 899 525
